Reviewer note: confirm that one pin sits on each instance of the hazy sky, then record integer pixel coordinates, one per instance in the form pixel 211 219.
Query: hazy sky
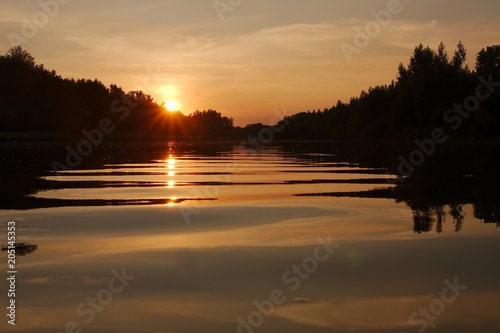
pixel 263 54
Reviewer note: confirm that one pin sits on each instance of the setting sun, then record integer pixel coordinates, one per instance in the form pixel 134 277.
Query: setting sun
pixel 172 106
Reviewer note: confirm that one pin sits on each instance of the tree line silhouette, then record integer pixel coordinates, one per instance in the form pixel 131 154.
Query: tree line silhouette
pixel 413 104
pixel 33 98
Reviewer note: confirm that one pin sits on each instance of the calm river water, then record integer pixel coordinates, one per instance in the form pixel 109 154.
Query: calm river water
pixel 216 237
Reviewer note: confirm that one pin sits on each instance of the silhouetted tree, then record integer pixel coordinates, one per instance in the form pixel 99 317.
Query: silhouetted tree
pixel 18 56
pixel 458 215
pixel 460 57
pixel 488 61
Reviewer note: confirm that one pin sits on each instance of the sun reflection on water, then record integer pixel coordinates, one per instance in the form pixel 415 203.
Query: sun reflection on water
pixel 171 161
pixel 172 201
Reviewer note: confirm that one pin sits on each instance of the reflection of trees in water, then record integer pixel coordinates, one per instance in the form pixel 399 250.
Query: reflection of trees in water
pixel 450 179
pixel 441 217
pixel 458 215
pixel 424 219
pixel 22 249
pixel 488 212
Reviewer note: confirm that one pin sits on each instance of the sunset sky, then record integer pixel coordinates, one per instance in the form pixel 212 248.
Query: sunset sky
pixel 252 58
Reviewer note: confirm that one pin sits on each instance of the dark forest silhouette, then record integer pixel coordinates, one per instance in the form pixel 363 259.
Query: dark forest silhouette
pixel 412 105
pixel 33 98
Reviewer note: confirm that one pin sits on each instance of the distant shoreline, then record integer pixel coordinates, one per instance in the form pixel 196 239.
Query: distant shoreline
pixel 65 138
pixel 61 136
